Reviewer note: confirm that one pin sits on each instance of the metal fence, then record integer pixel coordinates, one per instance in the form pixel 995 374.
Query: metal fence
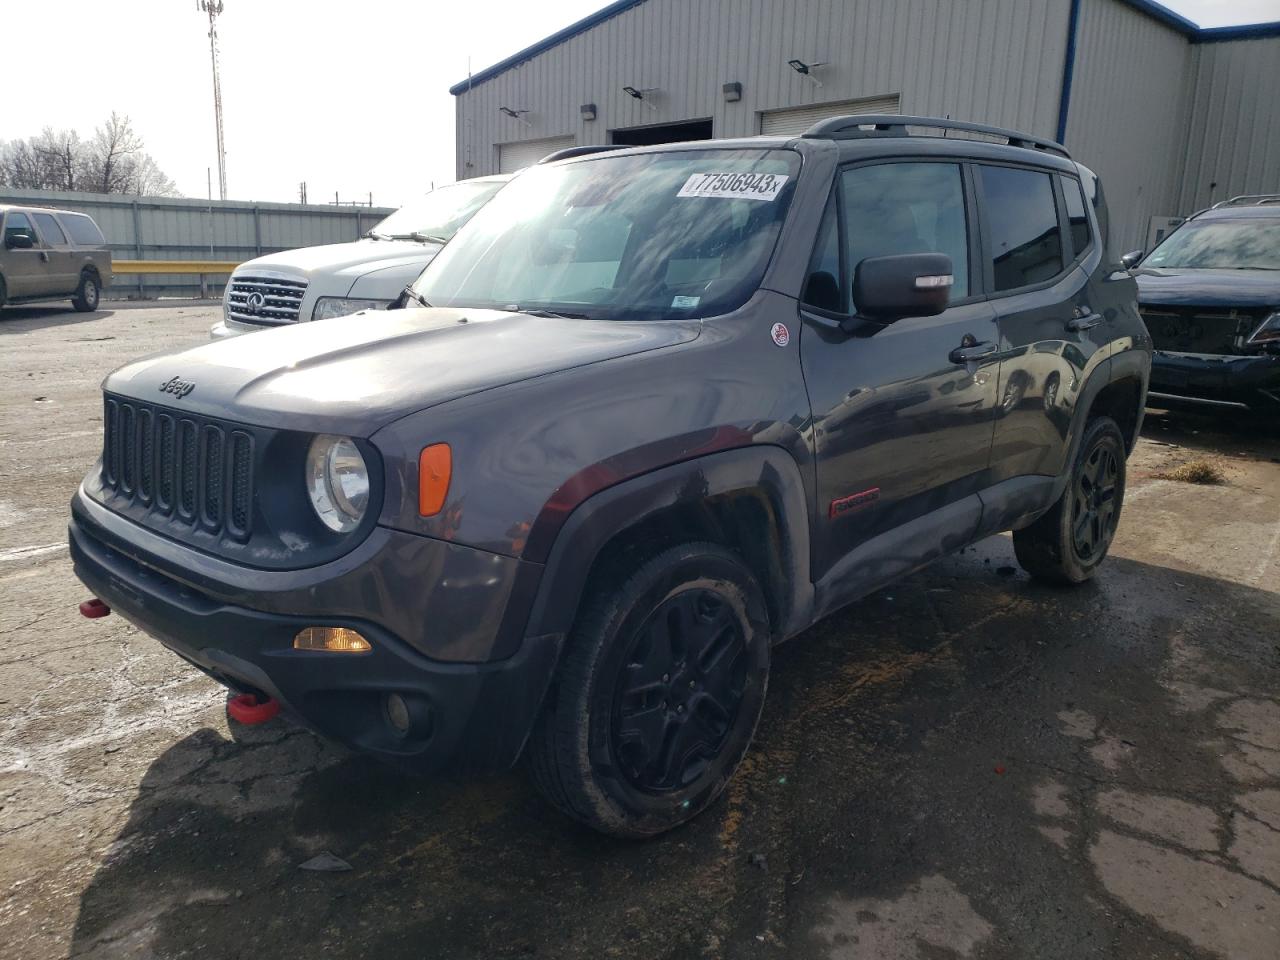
pixel 159 228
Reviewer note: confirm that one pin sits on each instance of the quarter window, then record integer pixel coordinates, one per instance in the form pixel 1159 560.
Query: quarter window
pixel 1077 219
pixel 896 208
pixel 1025 239
pixel 49 229
pixel 823 288
pixel 83 230
pixel 16 224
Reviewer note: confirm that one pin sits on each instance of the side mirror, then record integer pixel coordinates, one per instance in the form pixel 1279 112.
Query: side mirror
pixel 19 241
pixel 907 285
pixel 1132 259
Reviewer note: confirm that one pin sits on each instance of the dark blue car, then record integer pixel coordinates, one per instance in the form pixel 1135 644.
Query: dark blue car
pixel 1210 296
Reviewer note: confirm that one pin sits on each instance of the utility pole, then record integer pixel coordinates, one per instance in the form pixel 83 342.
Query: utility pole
pixel 214 9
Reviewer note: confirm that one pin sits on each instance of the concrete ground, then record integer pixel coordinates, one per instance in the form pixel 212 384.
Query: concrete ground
pixel 964 765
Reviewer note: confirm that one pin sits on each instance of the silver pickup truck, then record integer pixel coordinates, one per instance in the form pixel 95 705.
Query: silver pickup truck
pixel 52 254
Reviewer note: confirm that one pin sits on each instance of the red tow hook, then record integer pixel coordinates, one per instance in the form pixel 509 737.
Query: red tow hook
pixel 249 710
pixel 94 608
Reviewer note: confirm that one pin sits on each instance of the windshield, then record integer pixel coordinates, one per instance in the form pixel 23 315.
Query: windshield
pixel 1244 244
pixel 650 236
pixel 439 214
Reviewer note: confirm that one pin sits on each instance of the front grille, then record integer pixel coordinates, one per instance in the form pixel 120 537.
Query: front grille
pixel 266 301
pixel 1200 329
pixel 184 467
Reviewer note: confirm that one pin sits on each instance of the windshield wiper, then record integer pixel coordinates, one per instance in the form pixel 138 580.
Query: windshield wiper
pixel 375 235
pixel 411 294
pixel 428 237
pixel 549 314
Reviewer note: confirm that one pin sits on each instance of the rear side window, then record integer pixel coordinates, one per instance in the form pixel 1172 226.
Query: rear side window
pixel 17 223
pixel 50 230
pixel 83 230
pixel 1025 242
pixel 895 208
pixel 1077 219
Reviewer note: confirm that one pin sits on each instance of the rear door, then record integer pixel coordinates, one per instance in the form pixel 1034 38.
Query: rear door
pixel 1051 335
pixel 64 274
pixel 902 430
pixel 26 271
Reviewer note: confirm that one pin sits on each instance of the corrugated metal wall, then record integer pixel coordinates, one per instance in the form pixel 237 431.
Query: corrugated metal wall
pixel 1235 123
pixel 157 228
pixel 1130 98
pixel 998 61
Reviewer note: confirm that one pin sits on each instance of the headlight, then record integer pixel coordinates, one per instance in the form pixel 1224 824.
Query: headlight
pixel 338 482
pixel 1268 332
pixel 327 307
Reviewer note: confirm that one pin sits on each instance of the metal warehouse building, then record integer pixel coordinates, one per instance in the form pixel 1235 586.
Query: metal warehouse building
pixel 1170 115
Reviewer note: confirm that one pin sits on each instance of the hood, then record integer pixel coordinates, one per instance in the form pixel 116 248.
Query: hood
pixel 1209 288
pixel 344 259
pixel 355 374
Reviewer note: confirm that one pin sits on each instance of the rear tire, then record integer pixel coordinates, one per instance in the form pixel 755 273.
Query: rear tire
pixel 87 294
pixel 1066 545
pixel 658 694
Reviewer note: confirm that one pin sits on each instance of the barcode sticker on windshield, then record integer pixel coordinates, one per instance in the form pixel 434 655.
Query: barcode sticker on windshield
pixel 738 186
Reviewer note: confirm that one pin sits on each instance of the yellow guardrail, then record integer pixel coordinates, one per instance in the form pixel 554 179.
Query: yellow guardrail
pixel 173 266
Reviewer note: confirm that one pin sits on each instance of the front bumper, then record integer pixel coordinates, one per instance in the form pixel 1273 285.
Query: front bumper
pixel 467 717
pixel 1216 380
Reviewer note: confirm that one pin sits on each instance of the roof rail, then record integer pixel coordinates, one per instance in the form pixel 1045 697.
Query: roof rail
pixel 568 153
pixel 1248 199
pixel 895 125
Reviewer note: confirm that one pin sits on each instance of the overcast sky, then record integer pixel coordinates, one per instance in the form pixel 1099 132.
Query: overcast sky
pixel 348 95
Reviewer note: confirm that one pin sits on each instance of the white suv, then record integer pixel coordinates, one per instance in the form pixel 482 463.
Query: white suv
pixel 313 283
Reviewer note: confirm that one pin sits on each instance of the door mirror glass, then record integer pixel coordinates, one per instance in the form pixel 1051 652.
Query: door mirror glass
pixel 18 241
pixel 907 285
pixel 1132 259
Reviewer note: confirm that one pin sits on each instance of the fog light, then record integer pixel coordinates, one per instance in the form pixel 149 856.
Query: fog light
pixel 331 640
pixel 397 712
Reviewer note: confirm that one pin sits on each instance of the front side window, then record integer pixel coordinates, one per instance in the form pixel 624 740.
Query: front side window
pixel 83 230
pixel 649 236
pixel 15 224
pixel 1245 244
pixel 1026 243
pixel 438 215
pixel 1077 219
pixel 49 229
pixel 897 208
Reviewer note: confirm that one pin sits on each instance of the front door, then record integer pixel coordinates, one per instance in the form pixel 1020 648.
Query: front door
pixel 26 270
pixel 902 422
pixel 1052 333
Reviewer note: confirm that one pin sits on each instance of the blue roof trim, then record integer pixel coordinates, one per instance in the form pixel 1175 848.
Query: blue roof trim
pixel 1154 10
pixel 557 38
pixel 1248 31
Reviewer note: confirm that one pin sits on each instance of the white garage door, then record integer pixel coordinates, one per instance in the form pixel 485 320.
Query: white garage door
pixel 517 156
pixel 793 122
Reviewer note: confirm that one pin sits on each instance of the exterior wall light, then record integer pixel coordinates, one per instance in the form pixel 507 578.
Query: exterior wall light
pixel 588 111
pixel 732 92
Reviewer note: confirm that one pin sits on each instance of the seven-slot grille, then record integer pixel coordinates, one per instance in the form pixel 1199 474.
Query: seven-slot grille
pixel 1187 329
pixel 191 469
pixel 267 301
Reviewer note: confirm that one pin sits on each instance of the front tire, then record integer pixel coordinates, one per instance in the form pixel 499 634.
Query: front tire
pixel 659 692
pixel 87 294
pixel 1067 544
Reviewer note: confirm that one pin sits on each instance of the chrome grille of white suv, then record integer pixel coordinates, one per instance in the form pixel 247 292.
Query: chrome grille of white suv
pixel 267 301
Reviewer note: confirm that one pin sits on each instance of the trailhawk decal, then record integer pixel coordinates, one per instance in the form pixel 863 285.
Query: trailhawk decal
pixel 853 502
pixel 738 186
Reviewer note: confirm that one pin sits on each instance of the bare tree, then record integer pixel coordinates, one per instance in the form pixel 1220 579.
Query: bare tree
pixel 112 161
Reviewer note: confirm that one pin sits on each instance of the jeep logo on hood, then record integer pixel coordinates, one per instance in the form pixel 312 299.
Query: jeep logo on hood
pixel 178 387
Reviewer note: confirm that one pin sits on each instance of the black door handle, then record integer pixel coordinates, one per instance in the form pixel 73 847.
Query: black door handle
pixel 972 351
pixel 1076 324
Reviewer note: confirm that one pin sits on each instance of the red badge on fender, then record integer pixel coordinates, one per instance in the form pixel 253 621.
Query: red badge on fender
pixel 781 335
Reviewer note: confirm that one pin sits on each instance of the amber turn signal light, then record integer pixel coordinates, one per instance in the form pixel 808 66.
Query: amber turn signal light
pixel 331 640
pixel 435 464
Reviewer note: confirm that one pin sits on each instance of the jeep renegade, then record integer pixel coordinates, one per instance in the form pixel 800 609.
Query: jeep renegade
pixel 648 414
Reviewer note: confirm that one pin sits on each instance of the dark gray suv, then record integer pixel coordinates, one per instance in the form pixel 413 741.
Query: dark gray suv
pixel 648 414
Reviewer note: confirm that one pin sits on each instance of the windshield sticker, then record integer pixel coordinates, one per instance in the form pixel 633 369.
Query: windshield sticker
pixel 685 301
pixel 737 186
